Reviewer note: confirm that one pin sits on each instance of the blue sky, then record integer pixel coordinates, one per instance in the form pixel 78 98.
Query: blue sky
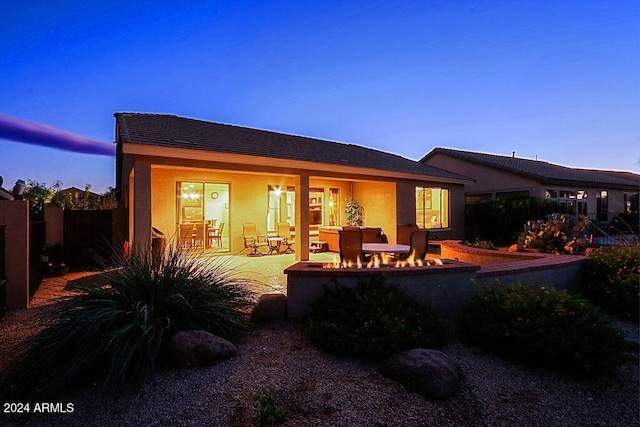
pixel 554 80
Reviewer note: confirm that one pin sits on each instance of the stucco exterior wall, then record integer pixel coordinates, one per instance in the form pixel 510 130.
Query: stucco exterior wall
pixel 248 198
pixel 15 215
pixel 491 180
pixel 378 199
pixel 487 179
pixel 54 217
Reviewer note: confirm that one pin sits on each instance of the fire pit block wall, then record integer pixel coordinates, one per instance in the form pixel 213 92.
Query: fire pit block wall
pixel 448 287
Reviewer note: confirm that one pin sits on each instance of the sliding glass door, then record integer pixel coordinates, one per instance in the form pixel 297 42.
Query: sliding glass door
pixel 203 216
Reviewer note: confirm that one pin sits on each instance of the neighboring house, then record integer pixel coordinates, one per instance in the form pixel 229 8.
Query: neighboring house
pixel 173 171
pixel 598 194
pixel 76 192
pixel 5 194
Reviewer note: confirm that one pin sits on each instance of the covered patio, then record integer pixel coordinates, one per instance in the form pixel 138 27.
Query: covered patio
pixel 174 172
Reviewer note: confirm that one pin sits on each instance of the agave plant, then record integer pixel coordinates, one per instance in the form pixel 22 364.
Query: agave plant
pixel 115 330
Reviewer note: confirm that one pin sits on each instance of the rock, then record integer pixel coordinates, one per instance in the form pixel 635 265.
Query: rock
pixel 516 248
pixel 199 348
pixel 270 308
pixel 632 341
pixel 428 372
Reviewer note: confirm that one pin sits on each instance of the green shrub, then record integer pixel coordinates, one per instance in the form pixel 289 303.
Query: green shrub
pixel 270 413
pixel 372 320
pixel 500 221
pixel 481 244
pixel 610 280
pixel 115 330
pixel 543 327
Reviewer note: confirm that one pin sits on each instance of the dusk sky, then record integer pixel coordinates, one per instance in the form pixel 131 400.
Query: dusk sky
pixel 553 80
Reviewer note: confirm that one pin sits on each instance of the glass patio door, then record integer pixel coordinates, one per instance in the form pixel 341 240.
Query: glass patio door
pixel 203 216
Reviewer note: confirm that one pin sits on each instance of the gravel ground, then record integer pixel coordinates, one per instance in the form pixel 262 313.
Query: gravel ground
pixel 317 389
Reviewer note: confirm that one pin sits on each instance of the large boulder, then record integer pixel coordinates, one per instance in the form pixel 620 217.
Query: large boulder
pixel 270 308
pixel 199 348
pixel 428 372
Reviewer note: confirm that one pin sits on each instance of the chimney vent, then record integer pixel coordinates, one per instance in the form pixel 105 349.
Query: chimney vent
pixel 513 154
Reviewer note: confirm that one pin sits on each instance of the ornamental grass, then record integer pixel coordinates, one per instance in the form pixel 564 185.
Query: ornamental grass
pixel 114 331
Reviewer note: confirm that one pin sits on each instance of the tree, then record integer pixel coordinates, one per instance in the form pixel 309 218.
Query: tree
pixel 39 196
pixel 71 200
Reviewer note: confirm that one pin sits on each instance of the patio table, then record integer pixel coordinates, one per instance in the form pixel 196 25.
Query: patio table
pixel 274 244
pixel 387 248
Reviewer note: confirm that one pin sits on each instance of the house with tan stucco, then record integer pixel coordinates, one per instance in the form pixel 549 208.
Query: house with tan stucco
pixel 600 195
pixel 175 172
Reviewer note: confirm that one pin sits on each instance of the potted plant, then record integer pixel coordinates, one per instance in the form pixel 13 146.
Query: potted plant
pixel 51 259
pixel 354 211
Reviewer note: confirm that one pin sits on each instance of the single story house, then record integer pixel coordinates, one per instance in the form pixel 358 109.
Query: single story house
pixel 5 194
pixel 174 171
pixel 598 194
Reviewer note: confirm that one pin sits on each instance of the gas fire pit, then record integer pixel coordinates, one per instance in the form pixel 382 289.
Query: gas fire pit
pixel 444 283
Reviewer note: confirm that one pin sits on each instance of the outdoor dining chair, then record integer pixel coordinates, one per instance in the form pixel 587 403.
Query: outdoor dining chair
pixel 284 231
pixel 350 246
pixel 198 236
pixel 186 236
pixel 252 240
pixel 215 235
pixel 419 243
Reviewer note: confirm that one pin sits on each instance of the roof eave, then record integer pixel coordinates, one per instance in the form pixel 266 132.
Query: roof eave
pixel 244 159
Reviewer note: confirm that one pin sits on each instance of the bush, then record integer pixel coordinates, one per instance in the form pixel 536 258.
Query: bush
pixel 372 320
pixel 116 329
pixel 610 280
pixel 270 413
pixel 543 327
pixel 481 244
pixel 500 221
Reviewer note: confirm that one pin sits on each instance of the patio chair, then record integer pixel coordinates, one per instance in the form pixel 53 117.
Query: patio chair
pixel 252 240
pixel 215 235
pixel 185 236
pixel 404 233
pixel 284 231
pixel 350 246
pixel 419 243
pixel 198 236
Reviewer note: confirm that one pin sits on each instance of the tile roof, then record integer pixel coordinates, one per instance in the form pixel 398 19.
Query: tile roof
pixel 5 194
pixel 76 190
pixel 546 173
pixel 180 132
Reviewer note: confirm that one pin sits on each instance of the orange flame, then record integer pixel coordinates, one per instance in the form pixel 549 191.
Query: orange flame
pixel 382 260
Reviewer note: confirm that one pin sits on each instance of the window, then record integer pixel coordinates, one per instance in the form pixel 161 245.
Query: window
pixel 574 200
pixel 511 194
pixel 274 208
pixel 631 202
pixel 334 206
pixel 315 206
pixel 479 197
pixel 432 207
pixel 602 206
pixel 275 212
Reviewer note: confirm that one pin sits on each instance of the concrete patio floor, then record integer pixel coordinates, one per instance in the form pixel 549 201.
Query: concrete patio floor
pixel 268 270
pixel 267 273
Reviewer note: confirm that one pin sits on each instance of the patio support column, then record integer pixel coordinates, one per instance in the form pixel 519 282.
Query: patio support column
pixel 302 218
pixel 142 206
